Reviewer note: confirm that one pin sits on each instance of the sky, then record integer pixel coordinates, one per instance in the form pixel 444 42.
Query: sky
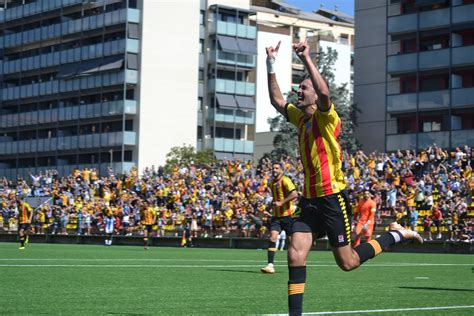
pixel 346 6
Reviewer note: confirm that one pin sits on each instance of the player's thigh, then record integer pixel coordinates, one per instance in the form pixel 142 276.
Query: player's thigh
pixel 358 228
pixel 299 248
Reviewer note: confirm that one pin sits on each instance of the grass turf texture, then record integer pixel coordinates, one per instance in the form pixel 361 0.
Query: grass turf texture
pixel 90 280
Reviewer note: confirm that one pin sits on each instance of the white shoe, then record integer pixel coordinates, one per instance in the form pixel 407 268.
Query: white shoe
pixel 406 233
pixel 269 269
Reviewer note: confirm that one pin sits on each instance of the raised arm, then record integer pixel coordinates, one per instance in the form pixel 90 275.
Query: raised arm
pixel 319 84
pixel 276 98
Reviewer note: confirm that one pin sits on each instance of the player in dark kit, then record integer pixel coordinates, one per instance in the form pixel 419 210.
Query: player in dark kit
pixel 284 193
pixel 324 206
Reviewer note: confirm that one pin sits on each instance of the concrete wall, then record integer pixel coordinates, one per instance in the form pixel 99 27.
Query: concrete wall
pixel 169 78
pixel 369 72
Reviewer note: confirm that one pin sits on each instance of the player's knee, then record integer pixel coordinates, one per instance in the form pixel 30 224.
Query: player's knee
pixel 347 265
pixel 296 257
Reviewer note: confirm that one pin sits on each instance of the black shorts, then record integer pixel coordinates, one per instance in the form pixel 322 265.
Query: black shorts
pixel 329 215
pixel 24 226
pixel 149 228
pixel 281 223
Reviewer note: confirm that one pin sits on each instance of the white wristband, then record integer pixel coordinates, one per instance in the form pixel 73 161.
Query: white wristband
pixel 270 63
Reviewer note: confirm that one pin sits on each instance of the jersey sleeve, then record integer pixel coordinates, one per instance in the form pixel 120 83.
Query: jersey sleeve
pixel 330 115
pixel 293 114
pixel 289 185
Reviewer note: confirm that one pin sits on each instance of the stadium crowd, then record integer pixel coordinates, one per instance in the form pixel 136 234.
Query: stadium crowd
pixel 430 190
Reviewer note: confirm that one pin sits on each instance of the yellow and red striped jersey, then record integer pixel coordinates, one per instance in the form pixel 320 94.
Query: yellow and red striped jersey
pixel 24 212
pixel 281 188
pixel 147 216
pixel 320 151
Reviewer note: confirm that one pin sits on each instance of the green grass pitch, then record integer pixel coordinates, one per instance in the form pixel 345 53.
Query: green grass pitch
pixel 53 279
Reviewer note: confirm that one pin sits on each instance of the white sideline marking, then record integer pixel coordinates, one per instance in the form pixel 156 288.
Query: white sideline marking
pixel 196 266
pixel 310 263
pixel 382 310
pixel 422 278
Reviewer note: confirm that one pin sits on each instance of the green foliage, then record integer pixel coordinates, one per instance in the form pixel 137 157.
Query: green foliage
pixel 285 141
pixel 186 154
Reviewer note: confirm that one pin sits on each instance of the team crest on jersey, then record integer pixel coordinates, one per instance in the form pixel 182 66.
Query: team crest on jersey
pixel 340 238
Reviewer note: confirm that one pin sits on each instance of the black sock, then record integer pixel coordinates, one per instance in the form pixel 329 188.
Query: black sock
pixel 296 283
pixel 372 248
pixel 22 241
pixel 271 251
pixel 145 240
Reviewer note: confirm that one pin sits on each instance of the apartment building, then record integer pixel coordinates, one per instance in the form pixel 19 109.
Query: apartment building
pixel 414 72
pixel 227 68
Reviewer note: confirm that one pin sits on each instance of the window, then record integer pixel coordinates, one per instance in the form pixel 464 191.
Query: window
pixel 199 104
pixel 133 30
pixel 132 61
pixel 202 16
pixel 201 46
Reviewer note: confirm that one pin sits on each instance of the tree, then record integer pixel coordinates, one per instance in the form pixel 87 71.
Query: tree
pixel 285 141
pixel 186 155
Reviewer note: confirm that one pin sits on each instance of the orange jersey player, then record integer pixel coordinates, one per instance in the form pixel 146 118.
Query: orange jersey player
pixel 366 209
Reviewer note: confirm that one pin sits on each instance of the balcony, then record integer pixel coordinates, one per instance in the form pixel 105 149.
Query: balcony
pixel 221 57
pixel 402 141
pixel 426 140
pixel 233 29
pixel 401 63
pixel 463 13
pixel 68 143
pixel 428 60
pixel 68 56
pixel 68 28
pixel 80 83
pixel 231 87
pixel 35 8
pixel 231 145
pixel 227 116
pixel 401 102
pixel 463 55
pixel 434 59
pixel 402 23
pixel 462 97
pixel 461 138
pixel 435 100
pixel 434 18
pixel 128 107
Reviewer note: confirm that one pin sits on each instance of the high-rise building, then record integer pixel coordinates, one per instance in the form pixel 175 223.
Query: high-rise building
pixel 227 68
pixel 414 73
pixel 120 82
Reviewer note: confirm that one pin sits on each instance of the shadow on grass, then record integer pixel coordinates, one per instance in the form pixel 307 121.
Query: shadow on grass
pixel 434 288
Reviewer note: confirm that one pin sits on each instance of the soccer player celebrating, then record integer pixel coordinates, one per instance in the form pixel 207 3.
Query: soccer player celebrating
pixel 25 214
pixel 148 219
pixel 284 192
pixel 365 226
pixel 324 206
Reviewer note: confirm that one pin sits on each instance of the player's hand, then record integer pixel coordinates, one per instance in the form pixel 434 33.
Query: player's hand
pixel 271 51
pixel 365 227
pixel 278 203
pixel 302 50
